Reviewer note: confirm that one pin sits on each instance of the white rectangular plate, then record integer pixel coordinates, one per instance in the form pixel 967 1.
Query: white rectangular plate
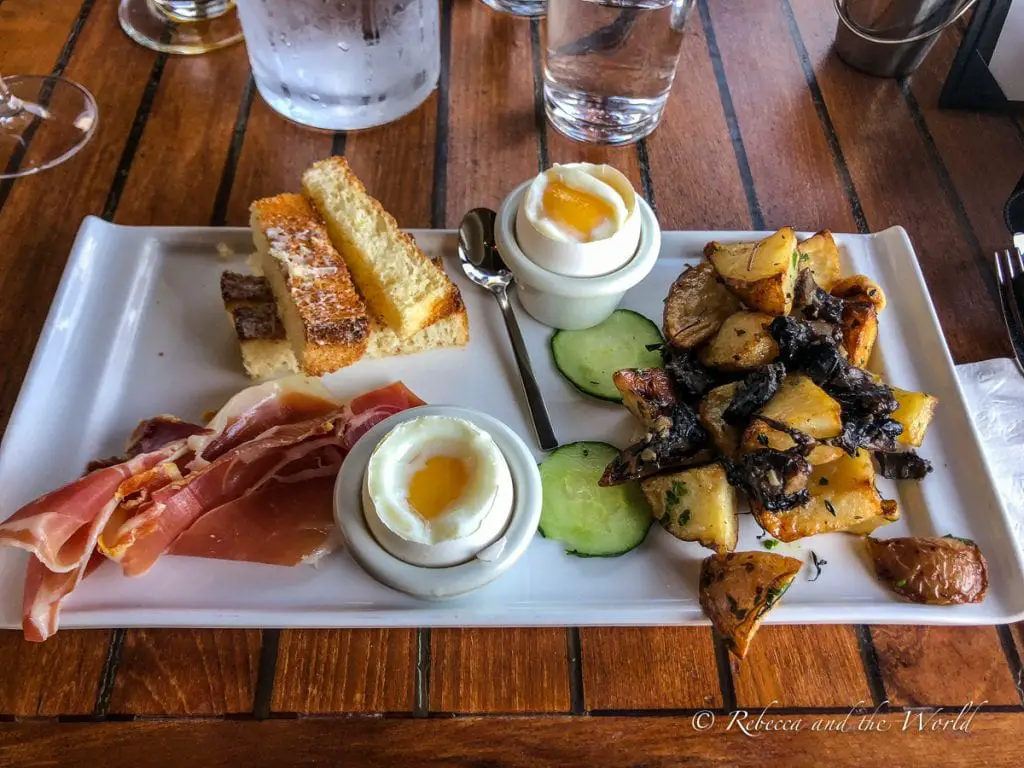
pixel 137 328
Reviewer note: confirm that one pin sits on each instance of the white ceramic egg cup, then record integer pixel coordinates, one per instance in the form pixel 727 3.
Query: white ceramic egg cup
pixel 451 581
pixel 573 303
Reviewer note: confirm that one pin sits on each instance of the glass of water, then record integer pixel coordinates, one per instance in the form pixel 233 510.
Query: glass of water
pixel 343 64
pixel 609 66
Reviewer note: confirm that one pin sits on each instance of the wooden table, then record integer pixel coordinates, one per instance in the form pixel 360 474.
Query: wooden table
pixel 764 128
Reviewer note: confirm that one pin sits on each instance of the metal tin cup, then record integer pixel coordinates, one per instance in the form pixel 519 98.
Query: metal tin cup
pixel 890 38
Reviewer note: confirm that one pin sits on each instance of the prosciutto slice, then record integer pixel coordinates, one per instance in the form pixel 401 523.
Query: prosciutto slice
pixel 278 525
pixel 255 484
pixel 58 528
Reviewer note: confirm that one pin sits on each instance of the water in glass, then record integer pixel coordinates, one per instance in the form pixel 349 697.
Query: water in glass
pixel 609 66
pixel 339 64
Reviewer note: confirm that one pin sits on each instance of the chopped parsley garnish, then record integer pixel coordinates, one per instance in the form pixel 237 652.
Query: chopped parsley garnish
pixel 675 494
pixel 684 517
pixel 900 583
pixel 775 594
pixel 741 331
pixel 762 439
pixel 804 257
pixel 830 508
pixel 817 563
pixel 770 544
pixel 822 481
pixel 796 257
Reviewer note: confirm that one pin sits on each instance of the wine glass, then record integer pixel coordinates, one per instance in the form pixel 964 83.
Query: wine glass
pixel 180 26
pixel 44 120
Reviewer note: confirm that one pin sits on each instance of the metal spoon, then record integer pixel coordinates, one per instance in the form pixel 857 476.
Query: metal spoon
pixel 483 265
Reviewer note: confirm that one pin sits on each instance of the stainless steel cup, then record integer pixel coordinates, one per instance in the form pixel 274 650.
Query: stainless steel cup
pixel 890 38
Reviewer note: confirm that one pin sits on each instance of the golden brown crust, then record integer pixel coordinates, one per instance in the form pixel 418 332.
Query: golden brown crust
pixel 317 280
pixel 444 305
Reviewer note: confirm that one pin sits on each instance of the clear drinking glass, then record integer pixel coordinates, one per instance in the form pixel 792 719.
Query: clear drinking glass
pixel 343 64
pixel 180 26
pixel 44 120
pixel 609 66
pixel 518 7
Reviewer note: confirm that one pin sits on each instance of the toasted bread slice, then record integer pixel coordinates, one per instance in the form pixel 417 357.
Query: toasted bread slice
pixel 401 285
pixel 449 331
pixel 266 352
pixel 324 318
pixel 250 305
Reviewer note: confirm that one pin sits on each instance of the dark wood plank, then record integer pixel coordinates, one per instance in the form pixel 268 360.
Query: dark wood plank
pixel 943 666
pixel 274 154
pixel 793 170
pixel 176 172
pixel 33 34
pixel 505 742
pixel 648 668
pixel 802 666
pixel 360 670
pixel 58 677
pixel 498 670
pixel 186 672
pixel 982 151
pixel 37 226
pixel 898 183
pixel 696 179
pixel 492 144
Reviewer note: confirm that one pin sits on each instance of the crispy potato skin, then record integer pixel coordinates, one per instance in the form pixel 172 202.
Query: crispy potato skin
pixel 845 486
pixel 860 331
pixel 860 288
pixel 743 343
pixel 738 589
pixel 820 254
pixel 696 306
pixel 915 413
pixel 712 415
pixel 803 405
pixel 696 505
pixel 936 571
pixel 646 392
pixel 762 274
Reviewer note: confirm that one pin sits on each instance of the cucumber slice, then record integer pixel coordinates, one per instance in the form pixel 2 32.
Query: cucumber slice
pixel 590 520
pixel 588 358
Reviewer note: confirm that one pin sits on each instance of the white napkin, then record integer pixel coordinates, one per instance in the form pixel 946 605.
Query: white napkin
pixel 995 397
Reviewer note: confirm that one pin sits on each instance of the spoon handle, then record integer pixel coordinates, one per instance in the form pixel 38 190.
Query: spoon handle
pixel 541 421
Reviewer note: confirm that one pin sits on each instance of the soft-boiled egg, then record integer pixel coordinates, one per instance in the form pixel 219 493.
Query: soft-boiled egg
pixel 579 220
pixel 437 491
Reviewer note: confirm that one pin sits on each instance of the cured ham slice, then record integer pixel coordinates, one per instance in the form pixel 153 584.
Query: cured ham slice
pixel 278 525
pixel 303 449
pixel 57 527
pixel 255 484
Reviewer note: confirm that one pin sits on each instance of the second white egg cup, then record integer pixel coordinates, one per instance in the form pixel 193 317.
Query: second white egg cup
pixel 573 303
pixel 451 581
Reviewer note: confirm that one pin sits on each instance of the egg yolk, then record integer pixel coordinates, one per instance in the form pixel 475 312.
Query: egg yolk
pixel 575 208
pixel 436 485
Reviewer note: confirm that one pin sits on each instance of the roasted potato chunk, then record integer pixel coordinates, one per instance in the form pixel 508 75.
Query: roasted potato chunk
pixel 802 405
pixel 696 505
pixel 860 331
pixel 890 514
pixel 646 392
pixel 936 571
pixel 726 437
pixel 860 288
pixel 915 413
pixel 821 256
pixel 738 589
pixel 843 494
pixel 743 343
pixel 696 306
pixel 762 274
